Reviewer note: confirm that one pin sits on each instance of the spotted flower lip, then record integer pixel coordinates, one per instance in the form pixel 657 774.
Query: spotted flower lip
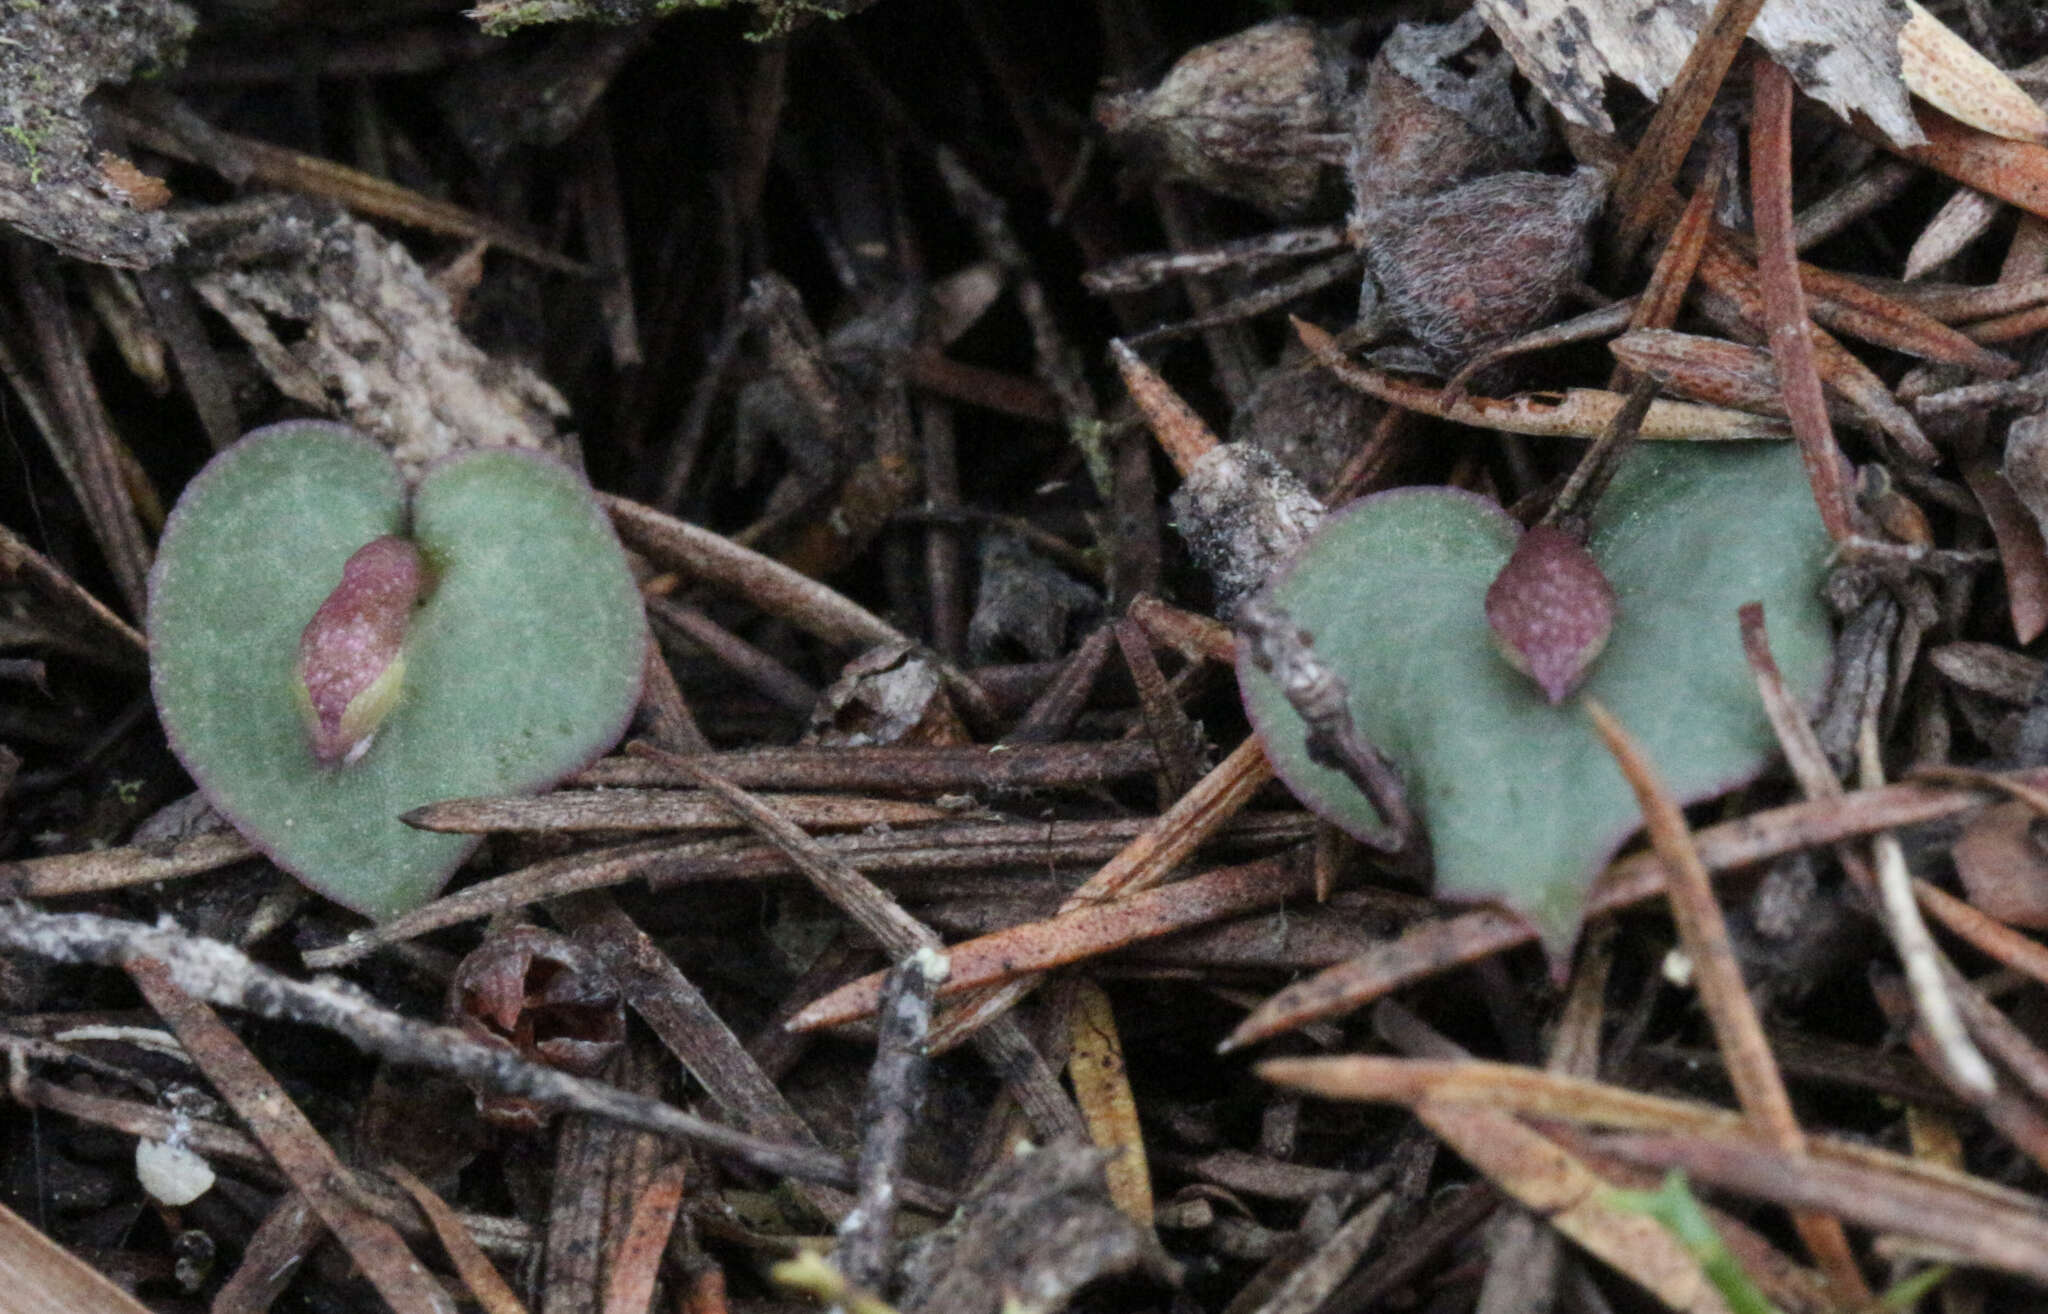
pixel 351 666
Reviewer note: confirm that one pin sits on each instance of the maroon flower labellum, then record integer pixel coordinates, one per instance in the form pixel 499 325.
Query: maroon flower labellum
pixel 352 653
pixel 542 996
pixel 1551 609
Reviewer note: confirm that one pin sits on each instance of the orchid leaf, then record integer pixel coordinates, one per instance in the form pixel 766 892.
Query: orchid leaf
pixel 520 664
pixel 1521 803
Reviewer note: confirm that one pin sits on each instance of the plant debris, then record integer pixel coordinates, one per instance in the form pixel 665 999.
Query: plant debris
pixel 1067 490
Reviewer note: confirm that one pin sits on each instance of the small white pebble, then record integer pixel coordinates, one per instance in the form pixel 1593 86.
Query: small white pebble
pixel 172 1174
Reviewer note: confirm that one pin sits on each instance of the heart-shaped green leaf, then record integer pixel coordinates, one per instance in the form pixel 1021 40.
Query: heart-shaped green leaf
pixel 1522 804
pixel 522 663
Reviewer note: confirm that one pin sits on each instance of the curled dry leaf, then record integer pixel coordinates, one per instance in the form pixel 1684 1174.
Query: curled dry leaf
pixel 1422 123
pixel 2004 866
pixel 891 694
pixel 542 996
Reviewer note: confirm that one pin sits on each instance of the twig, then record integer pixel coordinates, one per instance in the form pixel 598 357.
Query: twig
pixel 1961 1062
pixel 478 1273
pixel 212 971
pixel 1644 181
pixel 1182 434
pixel 1888 884
pixel 271 1257
pixel 1995 1224
pixel 85 444
pixel 1750 1067
pixel 1052 713
pixel 782 686
pixel 1172 731
pixel 164 123
pixel 1307 1288
pixel 120 644
pixel 908 769
pixel 776 589
pixel 1143 863
pixel 895 1100
pixel 677 1012
pixel 1058 363
pixel 1246 255
pixel 967 847
pixel 284 1131
pixel 1563 413
pixel 1574 504
pixel 629 1285
pixel 1271 296
pixel 118 868
pixel 1078 934
pixel 1676 264
pixel 1456 941
pixel 1321 698
pixel 1005 1046
pixel 1986 934
pixel 569 810
pixel 1770 163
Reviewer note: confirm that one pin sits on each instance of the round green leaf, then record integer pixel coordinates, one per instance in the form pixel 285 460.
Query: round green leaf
pixel 522 664
pixel 1522 804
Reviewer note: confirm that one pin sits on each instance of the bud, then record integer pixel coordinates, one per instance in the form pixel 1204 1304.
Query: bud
pixel 352 653
pixel 1551 608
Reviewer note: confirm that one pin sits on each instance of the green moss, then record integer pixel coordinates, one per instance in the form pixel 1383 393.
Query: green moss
pixel 31 143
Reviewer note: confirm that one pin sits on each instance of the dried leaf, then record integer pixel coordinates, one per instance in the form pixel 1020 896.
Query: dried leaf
pixel 892 694
pixel 1103 1090
pixel 1845 55
pixel 1564 413
pixel 544 997
pixel 2004 867
pixel 1947 72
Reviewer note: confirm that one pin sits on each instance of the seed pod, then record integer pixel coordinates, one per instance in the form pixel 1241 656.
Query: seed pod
pixel 352 653
pixel 1486 259
pixel 1243 514
pixel 1551 609
pixel 1422 123
pixel 1254 115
